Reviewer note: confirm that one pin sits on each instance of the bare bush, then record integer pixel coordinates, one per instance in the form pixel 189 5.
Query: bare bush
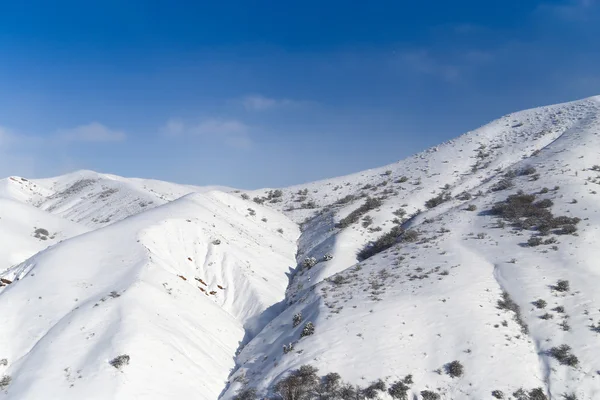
pixel 369 204
pixel 120 361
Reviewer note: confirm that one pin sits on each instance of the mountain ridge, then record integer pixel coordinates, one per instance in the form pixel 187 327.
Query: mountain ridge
pixel 401 270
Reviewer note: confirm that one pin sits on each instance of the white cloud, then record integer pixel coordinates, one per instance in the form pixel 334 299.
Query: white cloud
pixel 92 132
pixel 258 102
pixel 173 127
pixel 230 131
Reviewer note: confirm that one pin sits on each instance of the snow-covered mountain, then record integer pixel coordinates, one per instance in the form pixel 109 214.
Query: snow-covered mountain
pixel 470 267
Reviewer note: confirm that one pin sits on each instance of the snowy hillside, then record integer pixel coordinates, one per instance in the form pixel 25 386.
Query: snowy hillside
pixel 467 271
pixel 174 289
pixel 94 199
pixel 25 230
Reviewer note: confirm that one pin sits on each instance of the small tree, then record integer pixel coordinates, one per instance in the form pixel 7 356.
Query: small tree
pixel 329 387
pixel 5 381
pixel 349 392
pixel 308 329
pixel 299 384
pixel 297 319
pixel 309 262
pixel 371 391
pixel 288 348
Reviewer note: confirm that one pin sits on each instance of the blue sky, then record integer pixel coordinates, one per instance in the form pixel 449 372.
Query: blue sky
pixel 265 93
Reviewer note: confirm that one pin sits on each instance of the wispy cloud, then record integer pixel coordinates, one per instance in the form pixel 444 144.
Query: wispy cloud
pixel 571 9
pixel 14 160
pixel 423 62
pixel 259 102
pixel 92 132
pixel 465 28
pixel 5 137
pixel 232 132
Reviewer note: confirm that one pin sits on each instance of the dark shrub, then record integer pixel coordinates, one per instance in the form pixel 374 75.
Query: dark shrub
pixel 410 235
pixel 346 199
pixel 545 203
pixel 508 304
pixel 399 390
pixel 367 221
pixel 42 232
pixel 429 395
pixel 504 184
pixel 349 392
pixel 498 394
pixel 297 319
pixel 370 392
pixel 537 394
pixel 527 170
pixel 399 213
pixel 246 394
pixel 120 361
pixel 309 329
pixel 562 286
pixel 464 196
pixel 437 200
pixel 382 243
pixel 563 355
pixel 299 384
pixel 329 387
pixel 520 210
pixel 540 303
pixel 5 381
pixel 534 241
pixel 369 204
pixel 455 369
pixel 567 230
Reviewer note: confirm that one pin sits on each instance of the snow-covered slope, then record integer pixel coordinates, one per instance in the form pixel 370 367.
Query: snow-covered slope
pixel 426 267
pixel 420 305
pixel 176 289
pixel 95 199
pixel 25 230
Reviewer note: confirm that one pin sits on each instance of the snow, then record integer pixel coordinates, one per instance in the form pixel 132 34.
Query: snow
pixel 18 223
pixel 134 288
pixel 125 278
